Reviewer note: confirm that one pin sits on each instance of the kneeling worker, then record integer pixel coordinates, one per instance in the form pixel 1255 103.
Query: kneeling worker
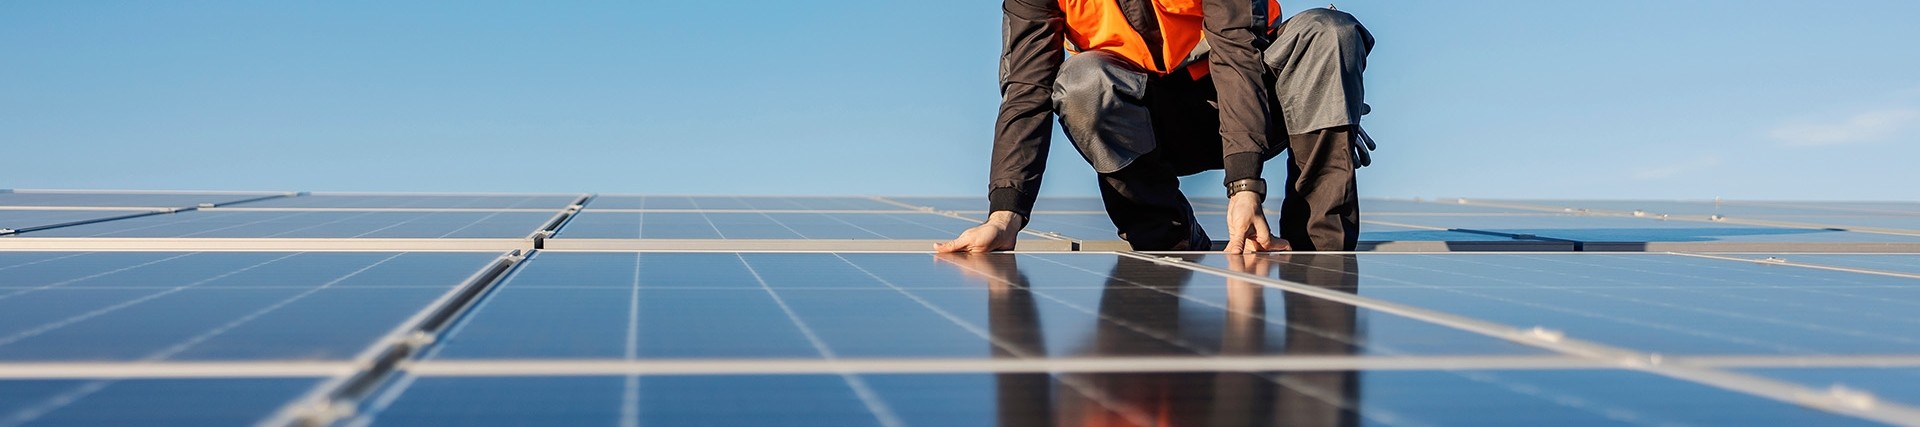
pixel 1158 89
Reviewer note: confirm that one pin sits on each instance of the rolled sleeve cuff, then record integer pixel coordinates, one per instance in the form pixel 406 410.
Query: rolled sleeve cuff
pixel 1242 166
pixel 1010 199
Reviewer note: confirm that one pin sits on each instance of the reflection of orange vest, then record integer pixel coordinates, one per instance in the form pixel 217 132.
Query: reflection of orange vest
pixel 1100 25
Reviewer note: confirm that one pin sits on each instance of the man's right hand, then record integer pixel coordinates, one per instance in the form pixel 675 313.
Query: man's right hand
pixel 1247 230
pixel 997 234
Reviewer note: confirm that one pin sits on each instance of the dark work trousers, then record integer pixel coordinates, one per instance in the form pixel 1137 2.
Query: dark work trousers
pixel 1141 132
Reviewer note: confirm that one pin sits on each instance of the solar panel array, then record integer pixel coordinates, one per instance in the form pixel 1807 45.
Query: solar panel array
pixel 208 308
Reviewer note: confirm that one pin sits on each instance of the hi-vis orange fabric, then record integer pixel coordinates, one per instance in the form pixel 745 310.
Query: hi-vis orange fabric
pixel 1101 25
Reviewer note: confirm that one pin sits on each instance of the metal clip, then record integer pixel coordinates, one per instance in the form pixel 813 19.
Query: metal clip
pixel 1544 334
pixel 1851 398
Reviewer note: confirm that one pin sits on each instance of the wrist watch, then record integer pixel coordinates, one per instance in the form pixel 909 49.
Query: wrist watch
pixel 1256 185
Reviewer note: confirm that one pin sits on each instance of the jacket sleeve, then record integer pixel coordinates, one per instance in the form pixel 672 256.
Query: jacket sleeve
pixel 1030 57
pixel 1237 73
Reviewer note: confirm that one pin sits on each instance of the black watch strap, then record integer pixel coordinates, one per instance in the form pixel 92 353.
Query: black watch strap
pixel 1256 185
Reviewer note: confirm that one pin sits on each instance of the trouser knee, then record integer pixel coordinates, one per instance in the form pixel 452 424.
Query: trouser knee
pixel 1332 25
pixel 1100 100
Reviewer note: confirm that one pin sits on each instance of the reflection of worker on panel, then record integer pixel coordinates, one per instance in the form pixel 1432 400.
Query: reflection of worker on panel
pixel 1317 327
pixel 1140 316
pixel 1166 88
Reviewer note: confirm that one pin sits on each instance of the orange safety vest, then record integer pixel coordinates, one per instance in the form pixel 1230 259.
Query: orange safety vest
pixel 1101 25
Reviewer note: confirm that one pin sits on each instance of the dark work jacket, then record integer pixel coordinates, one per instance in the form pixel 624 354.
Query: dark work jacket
pixel 1030 58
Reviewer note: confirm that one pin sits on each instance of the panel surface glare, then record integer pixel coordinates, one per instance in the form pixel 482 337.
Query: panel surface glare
pixel 772 305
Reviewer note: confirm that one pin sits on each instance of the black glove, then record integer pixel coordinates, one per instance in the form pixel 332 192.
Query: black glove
pixel 1362 143
pixel 1362 147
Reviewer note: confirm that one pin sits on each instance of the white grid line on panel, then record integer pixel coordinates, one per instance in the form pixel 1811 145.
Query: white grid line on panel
pixel 1816 266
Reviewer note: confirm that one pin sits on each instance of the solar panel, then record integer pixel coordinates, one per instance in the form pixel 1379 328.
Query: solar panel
pixel 108 199
pixel 27 220
pixel 315 224
pixel 979 204
pixel 740 225
pixel 417 201
pixel 743 203
pixel 1866 207
pixel 481 309
pixel 1903 223
pixel 1604 229
pixel 1730 208
pixel 1659 207
pixel 1372 206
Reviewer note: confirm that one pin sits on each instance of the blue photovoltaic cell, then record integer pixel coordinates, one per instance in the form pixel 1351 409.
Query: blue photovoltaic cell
pixel 1588 228
pixel 734 225
pixel 122 200
pixel 314 224
pixel 168 402
pixel 399 201
pixel 23 219
pixel 1899 385
pixel 1465 398
pixel 747 202
pixel 1897 263
pixel 1667 304
pixel 214 306
pixel 725 305
pixel 1094 226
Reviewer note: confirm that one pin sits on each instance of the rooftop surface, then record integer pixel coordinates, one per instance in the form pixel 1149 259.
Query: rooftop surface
pixel 223 308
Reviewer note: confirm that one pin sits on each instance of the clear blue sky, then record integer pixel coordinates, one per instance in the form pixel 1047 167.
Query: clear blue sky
pixel 1617 99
